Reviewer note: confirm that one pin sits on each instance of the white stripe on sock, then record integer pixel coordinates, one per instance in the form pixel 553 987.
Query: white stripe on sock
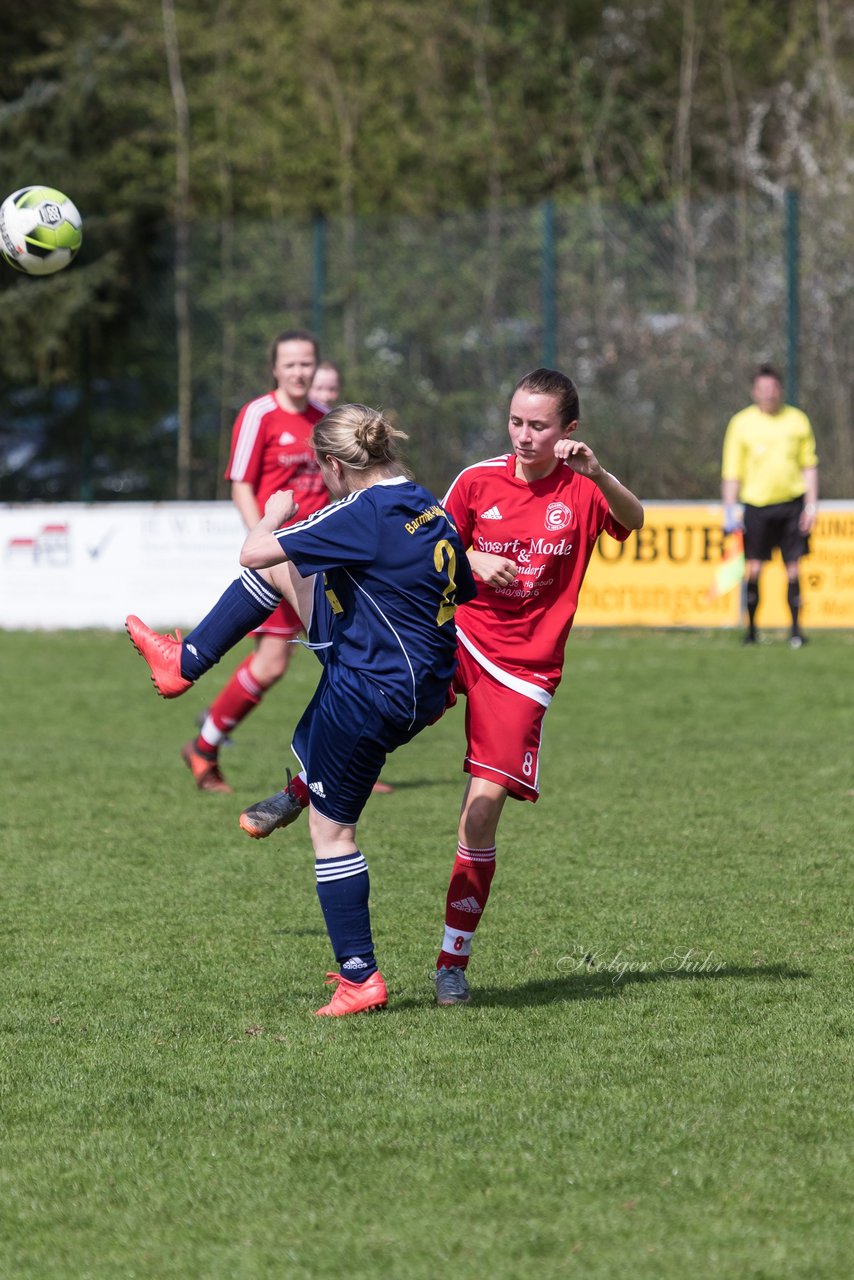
pixel 326 869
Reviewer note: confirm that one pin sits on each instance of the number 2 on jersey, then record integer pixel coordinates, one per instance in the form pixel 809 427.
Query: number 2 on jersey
pixel 442 550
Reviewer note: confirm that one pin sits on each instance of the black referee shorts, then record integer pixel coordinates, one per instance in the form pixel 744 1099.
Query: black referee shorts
pixel 775 526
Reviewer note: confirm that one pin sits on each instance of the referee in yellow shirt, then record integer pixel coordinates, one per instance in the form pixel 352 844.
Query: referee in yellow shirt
pixel 770 465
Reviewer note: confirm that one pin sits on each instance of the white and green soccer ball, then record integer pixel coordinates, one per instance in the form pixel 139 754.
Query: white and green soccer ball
pixel 40 230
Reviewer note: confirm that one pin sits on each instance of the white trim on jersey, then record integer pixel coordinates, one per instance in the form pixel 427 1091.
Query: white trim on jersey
pixel 487 462
pixel 516 683
pixel 323 514
pixel 248 434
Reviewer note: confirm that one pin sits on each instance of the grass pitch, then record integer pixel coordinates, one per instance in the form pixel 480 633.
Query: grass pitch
pixel 652 1081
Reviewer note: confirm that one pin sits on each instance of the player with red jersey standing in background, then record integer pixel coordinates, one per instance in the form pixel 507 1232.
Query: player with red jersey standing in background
pixel 531 519
pixel 270 450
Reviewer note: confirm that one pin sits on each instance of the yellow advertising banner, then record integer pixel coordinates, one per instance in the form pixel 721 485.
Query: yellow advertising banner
pixel 666 574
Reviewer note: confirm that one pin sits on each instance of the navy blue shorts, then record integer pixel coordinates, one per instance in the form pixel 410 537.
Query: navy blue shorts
pixel 342 741
pixel 345 732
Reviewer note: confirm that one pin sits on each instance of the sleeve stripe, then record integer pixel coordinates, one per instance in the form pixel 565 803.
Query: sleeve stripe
pixel 248 434
pixel 323 514
pixel 487 462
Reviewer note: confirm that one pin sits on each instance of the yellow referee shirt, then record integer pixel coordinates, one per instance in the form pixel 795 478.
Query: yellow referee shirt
pixel 767 452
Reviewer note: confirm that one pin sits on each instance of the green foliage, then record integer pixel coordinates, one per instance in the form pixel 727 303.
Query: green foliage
pixel 677 1105
pixel 380 111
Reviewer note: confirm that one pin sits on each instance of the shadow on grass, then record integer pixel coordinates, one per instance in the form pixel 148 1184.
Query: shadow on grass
pixel 604 986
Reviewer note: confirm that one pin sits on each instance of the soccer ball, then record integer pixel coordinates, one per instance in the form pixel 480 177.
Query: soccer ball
pixel 40 230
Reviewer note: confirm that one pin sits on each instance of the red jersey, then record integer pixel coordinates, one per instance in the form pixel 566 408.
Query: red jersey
pixel 271 450
pixel 549 528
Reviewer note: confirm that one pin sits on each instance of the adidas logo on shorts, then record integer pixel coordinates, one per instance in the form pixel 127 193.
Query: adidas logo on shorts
pixel 317 788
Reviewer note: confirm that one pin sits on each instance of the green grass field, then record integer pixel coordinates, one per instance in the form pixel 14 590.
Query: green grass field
pixel 678 1108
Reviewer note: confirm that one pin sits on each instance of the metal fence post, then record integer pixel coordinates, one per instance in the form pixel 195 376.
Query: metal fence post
pixel 548 288
pixel 792 299
pixel 318 274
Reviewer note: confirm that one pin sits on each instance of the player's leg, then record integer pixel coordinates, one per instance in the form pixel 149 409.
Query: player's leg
pixel 175 663
pixel 797 639
pixel 245 690
pixel 343 889
pixel 752 570
pixel 793 545
pixel 298 592
pixel 249 684
pixel 468 888
pixel 756 551
pixel 343 738
pixel 503 728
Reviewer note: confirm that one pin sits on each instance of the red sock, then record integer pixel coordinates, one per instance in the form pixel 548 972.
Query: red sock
pixel 233 704
pixel 299 789
pixel 467 897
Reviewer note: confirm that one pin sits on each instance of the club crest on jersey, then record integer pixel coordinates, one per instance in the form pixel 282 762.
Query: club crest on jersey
pixel 558 516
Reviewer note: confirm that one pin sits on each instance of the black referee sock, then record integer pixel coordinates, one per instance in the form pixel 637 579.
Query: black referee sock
pixel 752 602
pixel 793 595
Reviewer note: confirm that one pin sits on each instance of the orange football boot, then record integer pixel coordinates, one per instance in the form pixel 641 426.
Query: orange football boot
pixel 163 655
pixel 354 997
pixel 205 771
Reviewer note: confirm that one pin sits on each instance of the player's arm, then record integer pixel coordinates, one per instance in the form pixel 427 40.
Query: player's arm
pixel 731 470
pixel 495 571
pixel 622 503
pixel 243 497
pixel 262 549
pixel 733 514
pixel 810 511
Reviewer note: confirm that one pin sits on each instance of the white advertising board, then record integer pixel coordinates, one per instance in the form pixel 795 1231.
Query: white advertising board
pixel 74 565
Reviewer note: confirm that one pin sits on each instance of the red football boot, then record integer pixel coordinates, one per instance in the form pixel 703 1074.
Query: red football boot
pixel 163 655
pixel 354 997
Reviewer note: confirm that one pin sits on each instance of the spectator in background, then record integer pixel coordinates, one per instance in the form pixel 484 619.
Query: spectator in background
pixel 270 451
pixel 770 465
pixel 325 390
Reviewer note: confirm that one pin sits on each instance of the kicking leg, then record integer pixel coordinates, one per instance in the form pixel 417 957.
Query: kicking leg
pixel 176 664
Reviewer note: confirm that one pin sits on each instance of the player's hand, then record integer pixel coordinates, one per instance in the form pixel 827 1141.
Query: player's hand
pixel 495 571
pixel 806 522
pixel 733 518
pixel 579 456
pixel 280 508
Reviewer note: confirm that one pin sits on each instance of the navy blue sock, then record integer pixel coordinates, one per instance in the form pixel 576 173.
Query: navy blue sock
pixel 241 608
pixel 343 888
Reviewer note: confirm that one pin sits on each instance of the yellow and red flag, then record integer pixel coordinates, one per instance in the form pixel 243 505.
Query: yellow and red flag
pixel 731 571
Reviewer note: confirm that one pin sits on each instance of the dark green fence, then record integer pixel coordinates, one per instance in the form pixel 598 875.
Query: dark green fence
pixel 658 312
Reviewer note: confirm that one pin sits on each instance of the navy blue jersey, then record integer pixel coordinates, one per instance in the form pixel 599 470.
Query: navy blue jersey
pixel 394 571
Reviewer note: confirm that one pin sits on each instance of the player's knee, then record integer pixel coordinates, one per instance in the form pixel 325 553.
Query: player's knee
pixel 479 821
pixel 267 669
